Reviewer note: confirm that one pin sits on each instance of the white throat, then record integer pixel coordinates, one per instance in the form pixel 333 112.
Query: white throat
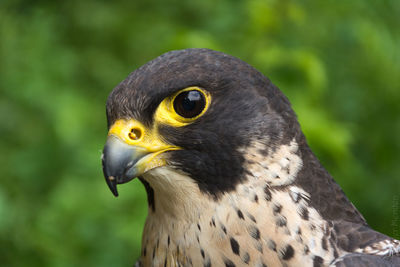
pixel 176 195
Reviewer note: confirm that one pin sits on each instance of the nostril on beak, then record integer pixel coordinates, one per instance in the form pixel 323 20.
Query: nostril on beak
pixel 135 134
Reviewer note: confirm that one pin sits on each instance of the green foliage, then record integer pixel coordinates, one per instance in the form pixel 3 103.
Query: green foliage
pixel 338 62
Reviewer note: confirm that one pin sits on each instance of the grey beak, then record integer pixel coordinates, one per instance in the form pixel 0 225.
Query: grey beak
pixel 119 161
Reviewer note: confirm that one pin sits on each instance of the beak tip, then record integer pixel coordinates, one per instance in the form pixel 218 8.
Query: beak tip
pixel 112 184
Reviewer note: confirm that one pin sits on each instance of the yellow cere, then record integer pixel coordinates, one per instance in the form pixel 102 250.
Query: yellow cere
pixel 166 114
pixel 134 133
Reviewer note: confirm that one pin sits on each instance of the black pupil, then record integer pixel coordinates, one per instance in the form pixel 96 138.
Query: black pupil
pixel 189 104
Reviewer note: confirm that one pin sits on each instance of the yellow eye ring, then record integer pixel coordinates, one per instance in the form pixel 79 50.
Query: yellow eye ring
pixel 189 103
pixel 183 107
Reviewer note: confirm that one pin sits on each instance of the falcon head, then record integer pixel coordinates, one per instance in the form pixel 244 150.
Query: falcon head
pixel 191 111
pixel 222 157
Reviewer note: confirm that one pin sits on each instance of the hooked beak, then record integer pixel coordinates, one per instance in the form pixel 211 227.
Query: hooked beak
pixel 130 151
pixel 119 162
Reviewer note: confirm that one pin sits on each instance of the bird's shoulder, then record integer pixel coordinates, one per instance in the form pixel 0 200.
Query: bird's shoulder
pixel 365 260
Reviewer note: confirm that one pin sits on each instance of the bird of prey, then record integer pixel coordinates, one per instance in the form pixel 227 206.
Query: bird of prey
pixel 229 176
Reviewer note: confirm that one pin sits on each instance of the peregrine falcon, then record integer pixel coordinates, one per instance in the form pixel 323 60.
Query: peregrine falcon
pixel 229 176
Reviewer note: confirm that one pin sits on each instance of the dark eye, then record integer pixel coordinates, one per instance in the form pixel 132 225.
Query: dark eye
pixel 189 104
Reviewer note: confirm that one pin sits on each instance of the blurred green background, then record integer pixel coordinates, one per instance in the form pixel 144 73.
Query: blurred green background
pixel 337 61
